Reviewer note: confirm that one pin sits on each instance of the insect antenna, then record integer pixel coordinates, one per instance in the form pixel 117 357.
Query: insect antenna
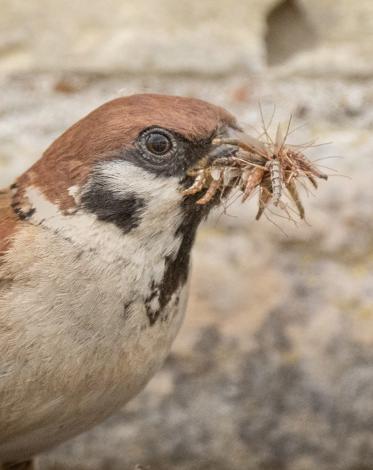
pixel 288 217
pixel 228 202
pixel 265 128
pixel 297 128
pixel 327 158
pixel 279 135
pixel 271 221
pixel 308 145
pixel 306 188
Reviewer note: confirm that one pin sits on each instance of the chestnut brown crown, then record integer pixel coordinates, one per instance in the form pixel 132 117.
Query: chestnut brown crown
pixel 109 130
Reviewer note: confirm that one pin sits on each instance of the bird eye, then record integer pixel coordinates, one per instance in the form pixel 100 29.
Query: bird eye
pixel 158 143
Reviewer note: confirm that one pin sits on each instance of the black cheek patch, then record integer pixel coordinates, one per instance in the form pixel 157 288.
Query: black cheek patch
pixel 124 212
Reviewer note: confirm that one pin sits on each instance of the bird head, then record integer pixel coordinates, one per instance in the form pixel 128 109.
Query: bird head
pixel 125 163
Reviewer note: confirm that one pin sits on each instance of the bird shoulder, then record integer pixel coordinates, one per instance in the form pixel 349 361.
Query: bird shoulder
pixel 9 221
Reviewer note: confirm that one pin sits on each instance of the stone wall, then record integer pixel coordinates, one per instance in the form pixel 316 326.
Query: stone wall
pixel 199 37
pixel 272 369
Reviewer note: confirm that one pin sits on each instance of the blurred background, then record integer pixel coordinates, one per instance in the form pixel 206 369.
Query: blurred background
pixel 273 368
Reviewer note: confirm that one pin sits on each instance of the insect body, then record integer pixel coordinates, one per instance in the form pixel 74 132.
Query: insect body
pixel 274 168
pixel 269 166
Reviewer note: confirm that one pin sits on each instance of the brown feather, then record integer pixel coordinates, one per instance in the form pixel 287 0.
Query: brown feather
pixel 9 221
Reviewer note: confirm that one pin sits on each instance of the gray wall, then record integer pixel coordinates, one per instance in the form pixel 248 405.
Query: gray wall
pixel 202 37
pixel 273 368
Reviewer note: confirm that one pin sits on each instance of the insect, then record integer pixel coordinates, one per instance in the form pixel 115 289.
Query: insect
pixel 271 167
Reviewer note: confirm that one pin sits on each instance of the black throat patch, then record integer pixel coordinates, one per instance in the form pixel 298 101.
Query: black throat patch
pixel 176 268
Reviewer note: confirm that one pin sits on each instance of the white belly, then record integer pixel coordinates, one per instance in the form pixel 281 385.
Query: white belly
pixel 81 388
pixel 73 355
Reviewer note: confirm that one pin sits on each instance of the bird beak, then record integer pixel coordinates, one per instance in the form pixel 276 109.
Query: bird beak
pixel 224 145
pixel 220 148
pixel 216 169
pixel 235 142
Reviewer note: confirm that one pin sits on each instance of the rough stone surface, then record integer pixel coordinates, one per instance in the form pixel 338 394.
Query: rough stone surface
pixel 163 35
pixel 194 37
pixel 273 367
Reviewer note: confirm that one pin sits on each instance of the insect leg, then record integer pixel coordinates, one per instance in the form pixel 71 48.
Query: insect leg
pixel 198 184
pixel 212 190
pixel 291 187
pixel 306 165
pixel 254 179
pixel 312 181
pixel 264 198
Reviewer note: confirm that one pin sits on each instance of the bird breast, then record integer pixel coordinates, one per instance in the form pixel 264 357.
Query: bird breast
pixel 87 325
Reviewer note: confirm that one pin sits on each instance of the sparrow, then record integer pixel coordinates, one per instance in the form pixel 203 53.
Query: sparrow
pixel 95 243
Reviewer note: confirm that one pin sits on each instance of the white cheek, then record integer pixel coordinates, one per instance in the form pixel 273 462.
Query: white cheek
pixel 152 240
pixel 74 193
pixel 123 177
pixel 44 209
pixel 161 195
